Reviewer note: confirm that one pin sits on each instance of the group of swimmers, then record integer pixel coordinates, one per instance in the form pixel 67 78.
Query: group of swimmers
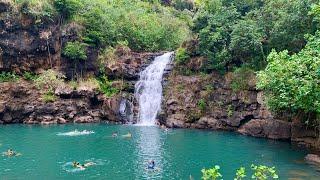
pixel 151 164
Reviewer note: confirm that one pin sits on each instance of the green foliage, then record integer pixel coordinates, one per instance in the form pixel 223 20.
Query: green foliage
pixel 291 82
pixel 315 11
pixel 240 78
pixel 106 86
pixel 236 32
pixel 30 76
pixel 49 96
pixel 75 51
pixel 145 26
pixel 182 56
pixel 202 105
pixel 263 172
pixel 240 174
pixel 8 77
pixel 230 111
pixel 185 71
pixel 68 8
pixel 193 116
pixel 259 173
pixel 49 80
pixel 37 8
pixel 211 174
pixel 183 4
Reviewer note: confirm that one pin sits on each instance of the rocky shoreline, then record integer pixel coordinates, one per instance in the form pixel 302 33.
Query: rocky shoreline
pixel 208 102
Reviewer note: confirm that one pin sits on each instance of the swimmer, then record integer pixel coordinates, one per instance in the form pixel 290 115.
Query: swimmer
pixel 76 164
pixel 151 165
pixel 114 134
pixel 11 153
pixel 129 135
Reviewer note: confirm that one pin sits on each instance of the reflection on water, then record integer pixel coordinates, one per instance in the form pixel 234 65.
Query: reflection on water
pixel 148 148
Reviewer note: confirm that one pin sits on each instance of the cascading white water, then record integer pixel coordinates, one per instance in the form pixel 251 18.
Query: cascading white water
pixel 148 90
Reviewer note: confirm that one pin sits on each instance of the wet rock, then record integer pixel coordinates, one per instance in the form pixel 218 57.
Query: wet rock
pixel 80 107
pixel 61 120
pixel 84 119
pixel 210 123
pixel 273 129
pixel 7 118
pixel 313 159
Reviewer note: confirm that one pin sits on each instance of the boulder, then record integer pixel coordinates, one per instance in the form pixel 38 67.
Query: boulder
pixel 313 159
pixel 273 129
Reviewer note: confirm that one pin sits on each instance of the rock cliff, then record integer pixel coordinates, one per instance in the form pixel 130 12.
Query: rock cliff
pixel 209 102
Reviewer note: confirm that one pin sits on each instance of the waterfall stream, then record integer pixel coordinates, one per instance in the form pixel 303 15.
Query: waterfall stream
pixel 148 90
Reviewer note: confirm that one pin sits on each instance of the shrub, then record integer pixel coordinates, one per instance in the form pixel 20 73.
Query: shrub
pixel 230 111
pixel 240 174
pixel 182 56
pixel 263 172
pixel 30 76
pixel 8 77
pixel 183 4
pixel 68 8
pixel 260 172
pixel 49 96
pixel 49 80
pixel 193 116
pixel 211 174
pixel 75 51
pixel 291 82
pixel 37 8
pixel 106 87
pixel 202 105
pixel 241 77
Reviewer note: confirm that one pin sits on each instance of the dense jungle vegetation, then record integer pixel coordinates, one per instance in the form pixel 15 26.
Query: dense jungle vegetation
pixel 278 39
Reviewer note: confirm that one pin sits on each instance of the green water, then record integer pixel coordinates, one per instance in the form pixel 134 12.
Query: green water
pixel 46 154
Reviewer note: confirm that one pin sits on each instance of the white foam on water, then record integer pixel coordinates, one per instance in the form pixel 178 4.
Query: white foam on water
pixel 76 133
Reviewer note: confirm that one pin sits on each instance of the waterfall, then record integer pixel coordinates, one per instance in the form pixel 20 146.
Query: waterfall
pixel 148 90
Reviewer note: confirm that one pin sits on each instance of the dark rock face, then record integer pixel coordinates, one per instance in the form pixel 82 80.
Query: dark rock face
pixel 21 103
pixel 208 102
pixel 128 64
pixel 26 45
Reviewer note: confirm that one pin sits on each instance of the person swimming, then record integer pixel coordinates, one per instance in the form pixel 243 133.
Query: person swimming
pixel 11 153
pixel 114 134
pixel 151 165
pixel 76 164
pixel 128 135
